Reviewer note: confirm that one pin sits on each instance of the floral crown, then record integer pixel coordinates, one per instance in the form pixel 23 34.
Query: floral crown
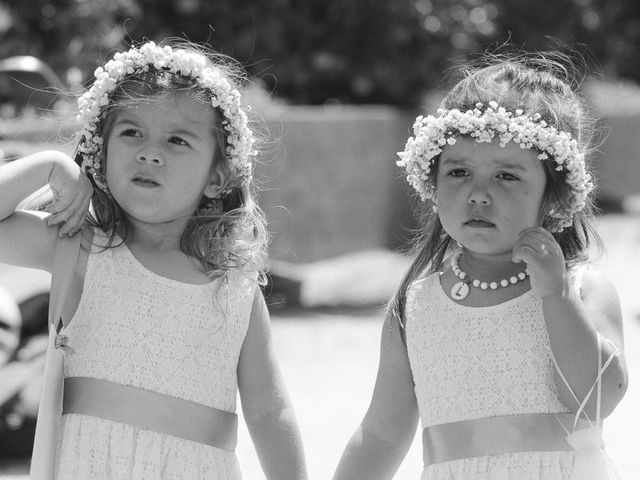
pixel 194 65
pixel 484 123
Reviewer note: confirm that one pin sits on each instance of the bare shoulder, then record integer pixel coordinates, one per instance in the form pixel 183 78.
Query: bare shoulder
pixel 600 297
pixel 259 311
pixel 597 285
pixel 27 241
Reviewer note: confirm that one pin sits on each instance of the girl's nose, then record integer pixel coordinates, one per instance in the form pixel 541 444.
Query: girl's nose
pixel 479 196
pixel 152 158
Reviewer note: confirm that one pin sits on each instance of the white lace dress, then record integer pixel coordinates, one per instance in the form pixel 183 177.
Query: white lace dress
pixel 139 329
pixel 478 362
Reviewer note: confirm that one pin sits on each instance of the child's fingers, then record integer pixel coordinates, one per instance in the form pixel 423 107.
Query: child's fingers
pixel 65 198
pixel 58 218
pixel 63 215
pixel 76 218
pixel 73 224
pixel 532 246
pixel 524 253
pixel 78 222
pixel 536 232
pixel 541 241
pixel 61 206
pixel 535 236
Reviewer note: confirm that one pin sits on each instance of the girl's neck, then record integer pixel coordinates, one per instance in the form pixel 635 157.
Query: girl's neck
pixel 157 248
pixel 489 266
pixel 156 236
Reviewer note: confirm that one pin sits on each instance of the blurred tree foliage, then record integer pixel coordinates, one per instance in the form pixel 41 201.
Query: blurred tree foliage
pixel 317 51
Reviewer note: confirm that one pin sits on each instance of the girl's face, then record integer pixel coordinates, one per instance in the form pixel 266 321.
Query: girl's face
pixel 487 194
pixel 160 157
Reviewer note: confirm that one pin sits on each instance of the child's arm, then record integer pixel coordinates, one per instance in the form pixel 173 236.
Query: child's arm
pixel 265 403
pixel 382 440
pixel 25 237
pixel 573 322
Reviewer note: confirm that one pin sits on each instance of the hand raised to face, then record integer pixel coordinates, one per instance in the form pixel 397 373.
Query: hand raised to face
pixel 544 258
pixel 72 193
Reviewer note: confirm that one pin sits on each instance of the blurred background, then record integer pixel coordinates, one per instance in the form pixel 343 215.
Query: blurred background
pixel 334 86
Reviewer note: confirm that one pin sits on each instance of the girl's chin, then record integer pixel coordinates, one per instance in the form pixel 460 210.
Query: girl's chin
pixel 488 248
pixel 485 241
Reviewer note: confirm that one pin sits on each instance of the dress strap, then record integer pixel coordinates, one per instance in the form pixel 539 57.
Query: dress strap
pixel 64 264
pixel 50 406
pixel 597 385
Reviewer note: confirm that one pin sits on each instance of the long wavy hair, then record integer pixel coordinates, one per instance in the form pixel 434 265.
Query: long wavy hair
pixel 223 234
pixel 536 83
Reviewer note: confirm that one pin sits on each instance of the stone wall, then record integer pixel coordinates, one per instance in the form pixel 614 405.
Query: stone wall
pixel 617 161
pixel 331 185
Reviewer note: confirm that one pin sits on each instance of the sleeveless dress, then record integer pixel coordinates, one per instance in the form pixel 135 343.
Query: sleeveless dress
pixel 479 362
pixel 136 328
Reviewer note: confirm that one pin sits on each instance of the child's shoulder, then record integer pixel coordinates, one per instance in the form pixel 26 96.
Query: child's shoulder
pixel 242 281
pixel 589 276
pixel 429 275
pixel 424 280
pixel 591 280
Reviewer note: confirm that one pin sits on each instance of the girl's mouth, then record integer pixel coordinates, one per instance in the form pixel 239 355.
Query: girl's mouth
pixel 478 223
pixel 145 182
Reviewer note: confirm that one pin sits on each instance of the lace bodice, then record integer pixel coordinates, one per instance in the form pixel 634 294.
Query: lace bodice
pixel 140 329
pixel 475 362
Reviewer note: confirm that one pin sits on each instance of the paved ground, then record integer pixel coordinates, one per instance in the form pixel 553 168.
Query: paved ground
pixel 329 360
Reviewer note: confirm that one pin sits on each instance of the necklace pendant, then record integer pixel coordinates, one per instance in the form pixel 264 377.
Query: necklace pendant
pixel 460 291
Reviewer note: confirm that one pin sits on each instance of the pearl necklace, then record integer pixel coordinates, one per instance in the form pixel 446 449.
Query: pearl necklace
pixel 461 289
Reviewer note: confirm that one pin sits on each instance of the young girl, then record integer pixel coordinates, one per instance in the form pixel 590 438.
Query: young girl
pixel 499 331
pixel 167 320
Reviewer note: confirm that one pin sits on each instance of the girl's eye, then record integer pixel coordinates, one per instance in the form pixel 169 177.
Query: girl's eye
pixel 508 176
pixel 178 141
pixel 130 132
pixel 458 172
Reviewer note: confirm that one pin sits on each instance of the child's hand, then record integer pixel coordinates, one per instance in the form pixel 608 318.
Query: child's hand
pixel 72 192
pixel 544 258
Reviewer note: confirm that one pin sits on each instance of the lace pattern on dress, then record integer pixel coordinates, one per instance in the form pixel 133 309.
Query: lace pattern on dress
pixel 140 329
pixel 475 362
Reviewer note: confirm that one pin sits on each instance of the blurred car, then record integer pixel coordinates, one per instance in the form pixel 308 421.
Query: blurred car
pixel 27 84
pixel 35 105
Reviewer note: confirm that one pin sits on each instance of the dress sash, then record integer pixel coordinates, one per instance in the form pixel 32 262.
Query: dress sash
pixel 151 411
pixel 541 432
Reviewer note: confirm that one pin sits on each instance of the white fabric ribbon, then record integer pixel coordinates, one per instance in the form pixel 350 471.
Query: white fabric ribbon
pixel 591 459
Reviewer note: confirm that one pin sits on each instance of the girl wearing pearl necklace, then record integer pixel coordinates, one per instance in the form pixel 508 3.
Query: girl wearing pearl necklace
pixel 501 339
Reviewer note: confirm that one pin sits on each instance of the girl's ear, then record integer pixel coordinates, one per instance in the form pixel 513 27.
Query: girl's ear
pixel 217 183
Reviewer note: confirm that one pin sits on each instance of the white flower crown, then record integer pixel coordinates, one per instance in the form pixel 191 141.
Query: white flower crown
pixel 193 65
pixel 484 123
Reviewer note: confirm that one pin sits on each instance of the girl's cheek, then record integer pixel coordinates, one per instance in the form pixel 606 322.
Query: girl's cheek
pixel 450 191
